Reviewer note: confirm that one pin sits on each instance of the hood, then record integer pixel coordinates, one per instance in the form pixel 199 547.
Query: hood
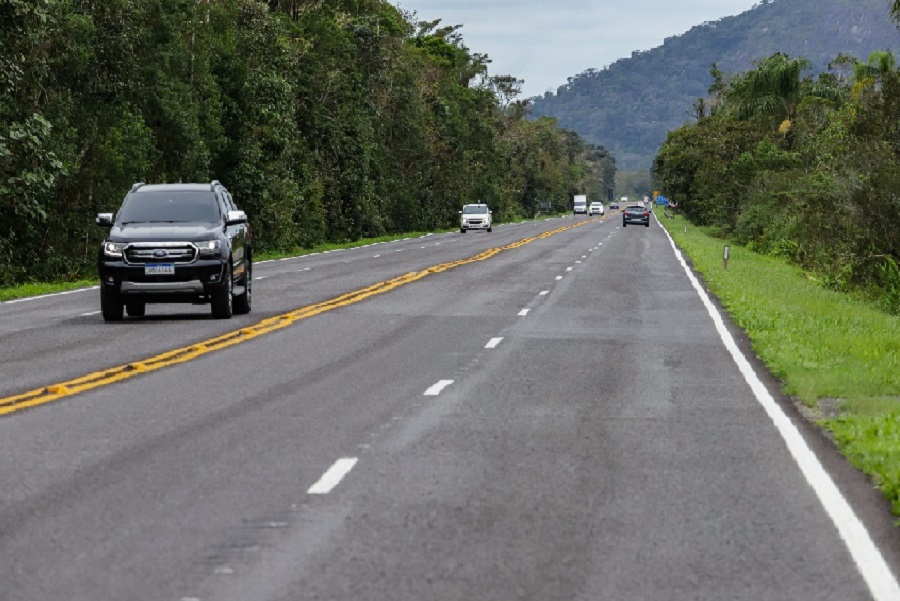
pixel 164 232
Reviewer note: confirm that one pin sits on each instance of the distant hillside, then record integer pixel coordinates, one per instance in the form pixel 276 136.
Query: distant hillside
pixel 629 106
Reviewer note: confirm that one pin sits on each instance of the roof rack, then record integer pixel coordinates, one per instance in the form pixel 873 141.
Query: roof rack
pixel 136 186
pixel 213 184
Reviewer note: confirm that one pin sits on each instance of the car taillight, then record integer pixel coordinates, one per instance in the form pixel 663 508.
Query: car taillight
pixel 646 214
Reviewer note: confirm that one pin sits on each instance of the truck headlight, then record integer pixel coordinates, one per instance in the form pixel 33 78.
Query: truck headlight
pixel 114 250
pixel 209 248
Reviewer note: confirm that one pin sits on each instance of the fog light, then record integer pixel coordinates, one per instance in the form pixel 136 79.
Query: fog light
pixel 110 280
pixel 214 277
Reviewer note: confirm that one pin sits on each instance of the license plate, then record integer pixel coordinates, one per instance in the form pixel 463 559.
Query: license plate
pixel 159 269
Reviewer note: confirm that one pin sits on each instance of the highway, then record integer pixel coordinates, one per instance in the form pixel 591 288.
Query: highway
pixel 545 412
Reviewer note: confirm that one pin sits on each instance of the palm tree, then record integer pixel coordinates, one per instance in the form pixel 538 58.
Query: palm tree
pixel 774 89
pixel 873 72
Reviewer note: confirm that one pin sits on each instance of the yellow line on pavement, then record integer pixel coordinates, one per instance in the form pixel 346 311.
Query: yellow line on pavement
pixel 55 392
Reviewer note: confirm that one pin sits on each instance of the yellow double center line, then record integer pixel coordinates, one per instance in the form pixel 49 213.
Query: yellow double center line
pixel 54 392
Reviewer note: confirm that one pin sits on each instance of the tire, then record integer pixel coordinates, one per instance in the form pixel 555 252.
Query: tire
pixel 490 229
pixel 136 308
pixel 242 302
pixel 647 224
pixel 222 301
pixel 462 230
pixel 110 304
pixel 624 224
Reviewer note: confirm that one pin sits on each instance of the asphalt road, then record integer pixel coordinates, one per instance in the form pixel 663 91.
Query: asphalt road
pixel 560 420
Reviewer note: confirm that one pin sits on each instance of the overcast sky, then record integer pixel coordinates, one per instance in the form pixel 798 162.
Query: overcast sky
pixel 545 42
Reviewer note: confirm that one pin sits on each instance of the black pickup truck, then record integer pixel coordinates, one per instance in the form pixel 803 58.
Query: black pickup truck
pixel 175 243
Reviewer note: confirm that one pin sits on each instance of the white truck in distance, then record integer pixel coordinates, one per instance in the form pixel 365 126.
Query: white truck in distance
pixel 579 204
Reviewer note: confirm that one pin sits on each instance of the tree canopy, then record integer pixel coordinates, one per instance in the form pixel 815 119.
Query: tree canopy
pixel 805 167
pixel 329 121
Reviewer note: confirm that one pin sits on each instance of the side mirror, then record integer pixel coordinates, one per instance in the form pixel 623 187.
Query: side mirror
pixel 105 219
pixel 460 212
pixel 236 217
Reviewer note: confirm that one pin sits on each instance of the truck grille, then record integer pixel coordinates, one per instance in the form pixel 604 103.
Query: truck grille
pixel 141 253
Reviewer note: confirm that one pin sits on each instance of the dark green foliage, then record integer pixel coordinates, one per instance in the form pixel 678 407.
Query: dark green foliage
pixel 805 169
pixel 329 121
pixel 631 105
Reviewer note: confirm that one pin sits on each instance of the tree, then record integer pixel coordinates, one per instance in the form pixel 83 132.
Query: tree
pixel 774 89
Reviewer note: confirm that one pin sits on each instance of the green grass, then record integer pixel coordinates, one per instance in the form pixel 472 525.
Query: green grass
pixel 820 343
pixel 35 289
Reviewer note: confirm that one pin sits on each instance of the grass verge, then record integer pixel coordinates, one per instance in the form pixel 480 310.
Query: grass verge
pixel 829 349
pixel 37 289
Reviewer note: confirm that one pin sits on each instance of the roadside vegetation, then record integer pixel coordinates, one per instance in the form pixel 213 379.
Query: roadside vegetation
pixel 837 355
pixel 329 122
pixel 800 168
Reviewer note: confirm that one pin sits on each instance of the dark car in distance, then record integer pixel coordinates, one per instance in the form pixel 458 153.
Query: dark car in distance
pixel 175 243
pixel 636 214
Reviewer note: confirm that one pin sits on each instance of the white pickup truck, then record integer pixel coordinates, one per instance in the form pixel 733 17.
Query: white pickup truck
pixel 475 217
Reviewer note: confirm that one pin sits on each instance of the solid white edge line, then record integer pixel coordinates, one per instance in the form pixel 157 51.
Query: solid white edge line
pixel 493 343
pixel 39 297
pixel 869 561
pixel 333 476
pixel 436 388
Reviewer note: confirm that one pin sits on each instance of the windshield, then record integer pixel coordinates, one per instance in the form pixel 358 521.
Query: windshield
pixel 474 209
pixel 169 207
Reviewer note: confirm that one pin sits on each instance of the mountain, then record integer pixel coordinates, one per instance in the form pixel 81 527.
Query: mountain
pixel 630 106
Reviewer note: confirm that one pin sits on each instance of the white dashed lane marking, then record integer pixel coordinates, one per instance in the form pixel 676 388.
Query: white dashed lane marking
pixel 524 312
pixel 493 343
pixel 435 389
pixel 333 476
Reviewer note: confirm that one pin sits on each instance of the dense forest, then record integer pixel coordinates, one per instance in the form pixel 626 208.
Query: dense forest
pixel 329 120
pixel 805 168
pixel 630 105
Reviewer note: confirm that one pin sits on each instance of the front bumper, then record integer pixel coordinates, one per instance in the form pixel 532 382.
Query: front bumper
pixel 189 283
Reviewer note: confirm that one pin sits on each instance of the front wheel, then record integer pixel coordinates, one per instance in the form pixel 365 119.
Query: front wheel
pixel 111 304
pixel 462 230
pixel 136 308
pixel 242 301
pixel 221 300
pixel 624 224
